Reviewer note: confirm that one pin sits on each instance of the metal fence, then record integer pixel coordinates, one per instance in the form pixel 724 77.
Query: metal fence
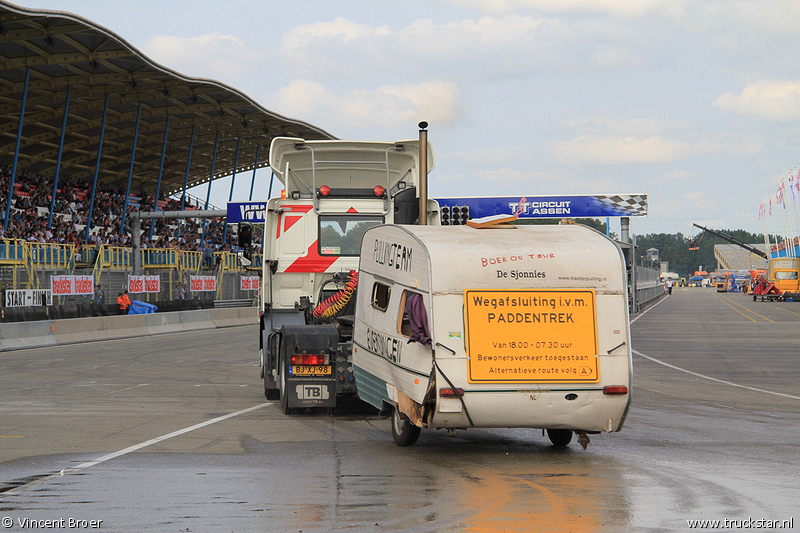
pixel 32 265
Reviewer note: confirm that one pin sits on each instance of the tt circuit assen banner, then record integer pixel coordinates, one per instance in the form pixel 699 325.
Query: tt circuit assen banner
pixel 72 285
pixel 588 206
pixel 140 284
pixel 202 283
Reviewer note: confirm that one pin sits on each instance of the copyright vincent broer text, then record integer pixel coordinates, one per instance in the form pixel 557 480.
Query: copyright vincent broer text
pixel 57 523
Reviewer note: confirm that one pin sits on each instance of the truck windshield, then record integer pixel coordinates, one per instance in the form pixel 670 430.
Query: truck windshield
pixel 785 275
pixel 341 234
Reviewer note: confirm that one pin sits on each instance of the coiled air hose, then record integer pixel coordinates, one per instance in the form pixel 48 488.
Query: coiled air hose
pixel 333 305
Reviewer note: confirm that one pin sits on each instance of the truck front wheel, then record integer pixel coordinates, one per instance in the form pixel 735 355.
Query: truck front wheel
pixel 404 432
pixel 271 394
pixel 283 387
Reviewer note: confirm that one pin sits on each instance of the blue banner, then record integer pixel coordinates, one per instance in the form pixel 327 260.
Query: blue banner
pixel 250 211
pixel 587 206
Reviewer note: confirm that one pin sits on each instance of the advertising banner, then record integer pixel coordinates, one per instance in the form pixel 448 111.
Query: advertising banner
pixel 584 206
pixel 202 283
pixel 71 285
pixel 249 283
pixel 247 211
pixel 28 297
pixel 140 284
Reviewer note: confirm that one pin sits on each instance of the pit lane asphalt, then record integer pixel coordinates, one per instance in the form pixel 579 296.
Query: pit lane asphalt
pixel 172 433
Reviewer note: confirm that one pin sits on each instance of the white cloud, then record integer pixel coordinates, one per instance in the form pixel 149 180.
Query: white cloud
pixel 389 105
pixel 773 100
pixel 617 8
pixel 606 142
pixel 211 55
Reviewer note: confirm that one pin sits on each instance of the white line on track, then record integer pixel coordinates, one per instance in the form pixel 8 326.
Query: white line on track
pixel 653 359
pixel 131 449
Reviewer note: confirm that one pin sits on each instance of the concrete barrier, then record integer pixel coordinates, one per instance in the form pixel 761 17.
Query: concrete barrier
pixel 21 335
pixel 103 328
pixel 235 316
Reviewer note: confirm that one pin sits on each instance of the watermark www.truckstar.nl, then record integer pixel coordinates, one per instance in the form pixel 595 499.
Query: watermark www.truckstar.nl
pixel 743 523
pixel 52 523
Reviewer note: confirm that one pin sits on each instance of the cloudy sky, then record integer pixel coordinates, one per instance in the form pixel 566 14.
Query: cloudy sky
pixel 694 102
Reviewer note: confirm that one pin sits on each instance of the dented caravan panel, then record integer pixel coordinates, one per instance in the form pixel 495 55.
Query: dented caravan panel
pixel 531 322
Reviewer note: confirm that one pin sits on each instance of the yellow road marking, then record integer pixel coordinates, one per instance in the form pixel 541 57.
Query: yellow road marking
pixel 729 304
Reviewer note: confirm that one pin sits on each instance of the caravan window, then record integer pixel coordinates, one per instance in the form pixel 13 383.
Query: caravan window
pixel 412 321
pixel 341 234
pixel 380 296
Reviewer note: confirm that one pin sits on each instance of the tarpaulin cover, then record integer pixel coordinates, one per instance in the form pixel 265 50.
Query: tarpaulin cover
pixel 141 308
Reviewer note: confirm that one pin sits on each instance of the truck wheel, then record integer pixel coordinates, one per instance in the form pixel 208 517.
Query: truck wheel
pixel 559 437
pixel 282 387
pixel 271 394
pixel 404 432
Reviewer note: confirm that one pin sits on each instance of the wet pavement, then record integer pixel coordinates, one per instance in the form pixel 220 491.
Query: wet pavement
pixel 172 433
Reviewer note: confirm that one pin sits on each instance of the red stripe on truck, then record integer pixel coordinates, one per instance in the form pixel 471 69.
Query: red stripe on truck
pixel 312 261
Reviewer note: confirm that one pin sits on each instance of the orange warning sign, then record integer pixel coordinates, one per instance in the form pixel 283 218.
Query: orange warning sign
pixel 531 336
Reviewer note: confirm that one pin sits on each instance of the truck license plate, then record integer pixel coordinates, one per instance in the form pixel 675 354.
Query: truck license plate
pixel 310 370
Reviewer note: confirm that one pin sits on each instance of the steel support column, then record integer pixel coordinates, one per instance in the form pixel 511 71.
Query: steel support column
pixel 210 181
pixel 255 167
pixel 16 150
pixel 186 177
pixel 58 159
pixel 130 171
pixel 160 173
pixel 96 169
pixel 233 180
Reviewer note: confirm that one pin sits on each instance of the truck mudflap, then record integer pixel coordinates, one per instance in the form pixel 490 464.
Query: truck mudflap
pixel 307 393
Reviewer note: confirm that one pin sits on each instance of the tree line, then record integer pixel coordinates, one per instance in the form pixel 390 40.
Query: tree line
pixel 672 247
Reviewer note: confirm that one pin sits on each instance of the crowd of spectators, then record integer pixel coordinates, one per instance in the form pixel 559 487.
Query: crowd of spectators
pixel 30 213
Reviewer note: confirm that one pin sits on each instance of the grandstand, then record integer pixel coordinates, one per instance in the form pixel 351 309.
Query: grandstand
pixel 93 130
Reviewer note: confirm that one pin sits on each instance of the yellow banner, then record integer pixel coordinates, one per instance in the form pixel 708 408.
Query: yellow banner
pixel 531 336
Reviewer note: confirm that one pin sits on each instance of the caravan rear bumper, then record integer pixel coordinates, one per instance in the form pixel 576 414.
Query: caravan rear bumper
pixel 563 408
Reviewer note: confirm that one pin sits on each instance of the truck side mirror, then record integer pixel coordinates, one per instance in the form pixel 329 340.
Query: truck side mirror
pixel 245 234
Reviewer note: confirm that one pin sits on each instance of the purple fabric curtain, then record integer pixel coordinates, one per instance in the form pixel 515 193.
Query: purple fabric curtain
pixel 418 319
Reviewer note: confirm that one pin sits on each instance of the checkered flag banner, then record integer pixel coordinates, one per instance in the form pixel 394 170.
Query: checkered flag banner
pixel 633 205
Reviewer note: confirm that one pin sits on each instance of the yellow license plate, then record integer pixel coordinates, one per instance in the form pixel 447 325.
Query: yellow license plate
pixel 311 370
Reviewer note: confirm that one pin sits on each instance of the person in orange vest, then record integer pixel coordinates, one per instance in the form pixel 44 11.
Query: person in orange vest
pixel 124 303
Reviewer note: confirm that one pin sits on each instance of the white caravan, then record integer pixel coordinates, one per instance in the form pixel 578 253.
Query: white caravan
pixel 505 326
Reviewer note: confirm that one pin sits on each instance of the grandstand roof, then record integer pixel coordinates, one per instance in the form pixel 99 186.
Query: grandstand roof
pixel 67 51
pixel 732 257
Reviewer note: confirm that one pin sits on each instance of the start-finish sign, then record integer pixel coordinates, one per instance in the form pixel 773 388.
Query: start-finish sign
pixel 71 285
pixel 140 284
pixel 28 297
pixel 202 283
pixel 587 206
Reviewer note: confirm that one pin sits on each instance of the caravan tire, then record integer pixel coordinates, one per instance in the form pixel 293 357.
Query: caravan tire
pixel 559 437
pixel 404 432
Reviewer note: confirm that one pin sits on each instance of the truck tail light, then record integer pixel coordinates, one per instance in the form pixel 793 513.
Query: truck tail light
pixel 324 190
pixel 451 393
pixel 308 359
pixel 379 190
pixel 615 390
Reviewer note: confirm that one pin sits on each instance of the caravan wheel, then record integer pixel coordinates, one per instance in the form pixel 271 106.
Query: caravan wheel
pixel 559 437
pixel 404 432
